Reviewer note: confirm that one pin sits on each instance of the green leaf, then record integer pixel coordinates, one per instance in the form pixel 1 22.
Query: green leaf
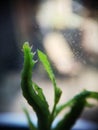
pixel 77 104
pixel 58 94
pixel 40 94
pixel 43 58
pixel 81 96
pixel 34 98
pixel 57 91
pixel 31 125
pixel 70 118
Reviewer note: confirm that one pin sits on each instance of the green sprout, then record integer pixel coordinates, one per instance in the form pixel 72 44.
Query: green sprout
pixel 36 99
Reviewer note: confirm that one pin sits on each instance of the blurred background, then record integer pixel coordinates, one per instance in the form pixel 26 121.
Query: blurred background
pixel 66 30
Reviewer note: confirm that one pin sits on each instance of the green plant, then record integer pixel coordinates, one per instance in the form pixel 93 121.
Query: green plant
pixel 36 99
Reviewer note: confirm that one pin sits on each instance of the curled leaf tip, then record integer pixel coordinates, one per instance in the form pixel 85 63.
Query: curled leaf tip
pixel 26 46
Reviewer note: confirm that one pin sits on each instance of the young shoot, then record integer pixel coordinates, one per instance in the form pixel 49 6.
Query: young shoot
pixel 37 100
